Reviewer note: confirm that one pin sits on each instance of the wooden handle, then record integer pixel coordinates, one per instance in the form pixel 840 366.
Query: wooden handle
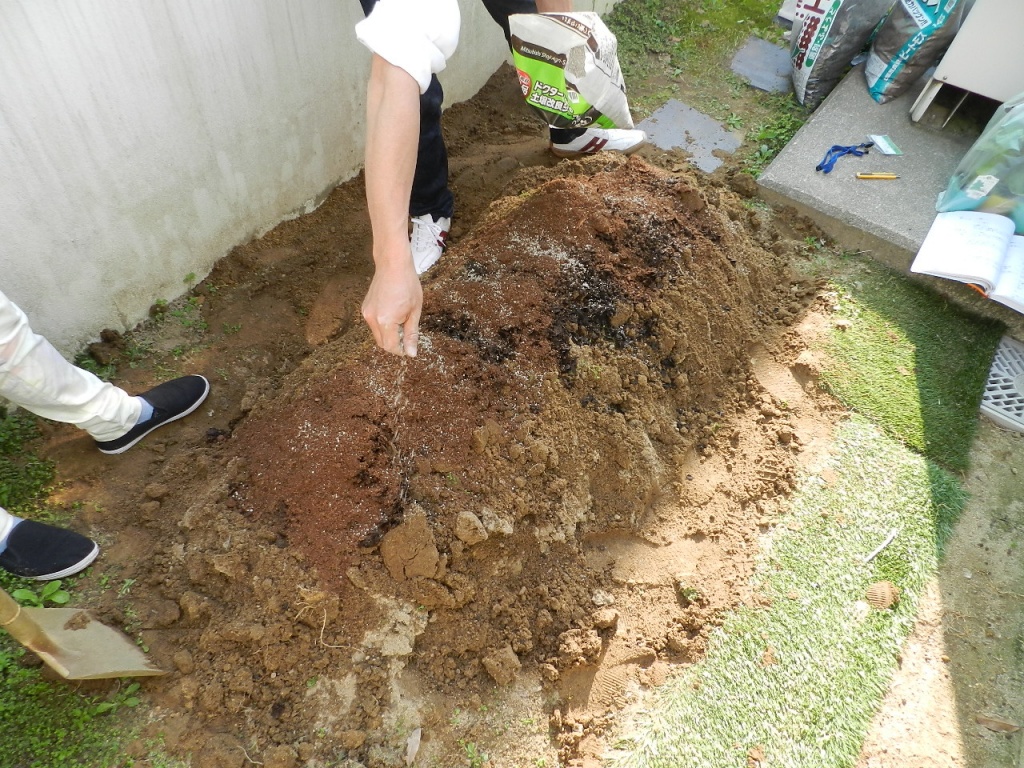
pixel 22 628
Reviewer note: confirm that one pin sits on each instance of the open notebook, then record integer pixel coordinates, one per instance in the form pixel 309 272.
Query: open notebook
pixel 976 248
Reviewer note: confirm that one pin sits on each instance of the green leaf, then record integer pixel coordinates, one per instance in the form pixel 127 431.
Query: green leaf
pixel 50 589
pixel 25 596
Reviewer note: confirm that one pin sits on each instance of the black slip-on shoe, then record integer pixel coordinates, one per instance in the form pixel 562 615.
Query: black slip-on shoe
pixel 171 401
pixel 45 552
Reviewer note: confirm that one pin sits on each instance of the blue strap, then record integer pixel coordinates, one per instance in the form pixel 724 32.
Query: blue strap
pixel 838 150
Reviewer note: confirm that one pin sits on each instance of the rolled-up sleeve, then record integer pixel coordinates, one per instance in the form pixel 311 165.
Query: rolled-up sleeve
pixel 418 36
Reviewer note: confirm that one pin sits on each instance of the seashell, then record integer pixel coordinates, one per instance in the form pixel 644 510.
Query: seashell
pixel 882 595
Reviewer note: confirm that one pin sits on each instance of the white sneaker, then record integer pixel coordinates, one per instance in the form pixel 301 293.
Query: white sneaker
pixel 428 240
pixel 602 140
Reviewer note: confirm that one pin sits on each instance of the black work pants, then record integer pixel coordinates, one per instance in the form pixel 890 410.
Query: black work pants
pixel 430 193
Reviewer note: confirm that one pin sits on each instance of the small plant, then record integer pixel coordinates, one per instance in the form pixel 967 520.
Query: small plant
pixel 475 757
pixel 232 328
pixel 136 352
pixel 687 595
pixel 190 279
pixel 815 244
pixel 772 135
pixel 190 315
pixel 164 371
pixel 734 122
pixel 86 362
pixel 126 587
pixel 50 593
pixel 159 310
pixel 125 698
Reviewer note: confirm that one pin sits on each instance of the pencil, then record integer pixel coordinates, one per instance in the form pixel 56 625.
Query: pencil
pixel 877 176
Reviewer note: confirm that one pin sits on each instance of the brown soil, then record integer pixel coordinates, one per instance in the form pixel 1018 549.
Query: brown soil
pixel 496 545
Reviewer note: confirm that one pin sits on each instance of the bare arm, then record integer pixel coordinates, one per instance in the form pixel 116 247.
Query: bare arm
pixel 395 299
pixel 554 6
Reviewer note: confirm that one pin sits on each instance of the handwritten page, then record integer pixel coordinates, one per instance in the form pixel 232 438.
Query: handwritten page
pixel 967 246
pixel 1009 289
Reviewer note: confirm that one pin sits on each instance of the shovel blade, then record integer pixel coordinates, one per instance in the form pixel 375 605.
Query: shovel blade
pixel 78 647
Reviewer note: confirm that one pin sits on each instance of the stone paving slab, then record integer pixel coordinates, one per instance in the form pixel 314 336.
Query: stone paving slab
pixel 678 126
pixel 889 218
pixel 764 65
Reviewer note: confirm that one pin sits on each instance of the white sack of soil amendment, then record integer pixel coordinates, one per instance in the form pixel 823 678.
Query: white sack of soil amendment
pixel 912 38
pixel 569 69
pixel 828 34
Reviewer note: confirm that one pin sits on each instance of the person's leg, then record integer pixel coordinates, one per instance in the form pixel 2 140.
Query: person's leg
pixel 500 10
pixel 42 552
pixel 34 376
pixel 431 203
pixel 7 522
pixel 430 193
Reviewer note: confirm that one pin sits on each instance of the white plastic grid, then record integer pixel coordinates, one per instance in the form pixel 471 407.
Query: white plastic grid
pixel 1003 400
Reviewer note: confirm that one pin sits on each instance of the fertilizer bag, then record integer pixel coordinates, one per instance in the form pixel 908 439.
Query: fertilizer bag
pixel 827 35
pixel 569 69
pixel 912 38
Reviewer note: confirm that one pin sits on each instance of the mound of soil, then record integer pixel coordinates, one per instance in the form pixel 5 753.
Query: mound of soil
pixel 496 543
pixel 460 514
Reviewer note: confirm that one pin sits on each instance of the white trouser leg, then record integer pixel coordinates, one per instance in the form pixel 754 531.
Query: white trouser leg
pixel 34 376
pixel 6 523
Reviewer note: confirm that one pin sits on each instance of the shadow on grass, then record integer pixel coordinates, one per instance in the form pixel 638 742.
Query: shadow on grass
pixel 917 364
pixel 913 362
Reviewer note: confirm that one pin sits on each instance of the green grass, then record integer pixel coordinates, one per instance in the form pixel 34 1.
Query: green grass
pixel 683 49
pixel 44 723
pixel 774 131
pixel 24 478
pixel 691 34
pixel 912 361
pixel 832 656
pixel 911 367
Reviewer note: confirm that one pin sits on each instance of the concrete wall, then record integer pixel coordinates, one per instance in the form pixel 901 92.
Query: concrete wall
pixel 140 141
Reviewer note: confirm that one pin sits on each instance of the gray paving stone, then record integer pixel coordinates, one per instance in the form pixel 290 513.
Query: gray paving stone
pixel 764 65
pixel 678 126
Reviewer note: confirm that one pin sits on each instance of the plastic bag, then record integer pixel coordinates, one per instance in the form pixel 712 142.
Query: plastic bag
pixel 569 69
pixel 912 38
pixel 827 35
pixel 990 177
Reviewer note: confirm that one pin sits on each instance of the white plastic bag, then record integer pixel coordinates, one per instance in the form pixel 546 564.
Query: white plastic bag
pixel 990 177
